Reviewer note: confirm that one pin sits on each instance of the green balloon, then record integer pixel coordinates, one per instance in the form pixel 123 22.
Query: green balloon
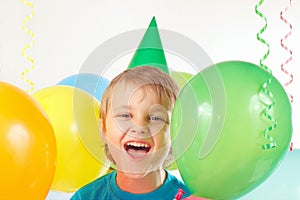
pixel 217 129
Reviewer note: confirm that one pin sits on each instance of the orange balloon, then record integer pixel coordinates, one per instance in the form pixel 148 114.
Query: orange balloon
pixel 27 146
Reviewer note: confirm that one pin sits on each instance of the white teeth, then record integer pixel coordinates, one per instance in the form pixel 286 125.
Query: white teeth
pixel 137 144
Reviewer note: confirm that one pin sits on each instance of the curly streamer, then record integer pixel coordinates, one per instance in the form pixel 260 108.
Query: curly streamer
pixel 31 34
pixel 291 146
pixel 264 89
pixel 283 69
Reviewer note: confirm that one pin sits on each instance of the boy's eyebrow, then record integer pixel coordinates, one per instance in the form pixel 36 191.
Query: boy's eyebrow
pixel 123 107
pixel 157 108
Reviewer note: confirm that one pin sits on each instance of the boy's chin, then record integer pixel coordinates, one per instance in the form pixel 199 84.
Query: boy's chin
pixel 139 169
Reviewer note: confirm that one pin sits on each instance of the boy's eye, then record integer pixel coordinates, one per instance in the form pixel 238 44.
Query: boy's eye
pixel 156 119
pixel 124 116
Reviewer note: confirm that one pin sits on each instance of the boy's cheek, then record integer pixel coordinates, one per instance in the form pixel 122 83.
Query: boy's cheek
pixel 156 128
pixel 123 125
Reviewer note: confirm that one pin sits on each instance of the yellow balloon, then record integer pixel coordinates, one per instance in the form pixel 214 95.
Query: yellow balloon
pixel 73 112
pixel 27 146
pixel 181 78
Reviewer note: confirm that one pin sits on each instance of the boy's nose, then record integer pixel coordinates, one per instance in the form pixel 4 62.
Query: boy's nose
pixel 138 131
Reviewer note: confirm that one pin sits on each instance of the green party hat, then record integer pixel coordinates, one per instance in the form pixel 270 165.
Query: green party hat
pixel 150 50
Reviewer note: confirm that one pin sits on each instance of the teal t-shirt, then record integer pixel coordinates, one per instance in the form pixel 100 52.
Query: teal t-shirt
pixel 106 188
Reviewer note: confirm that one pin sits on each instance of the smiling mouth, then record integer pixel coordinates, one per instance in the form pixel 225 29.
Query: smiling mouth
pixel 137 149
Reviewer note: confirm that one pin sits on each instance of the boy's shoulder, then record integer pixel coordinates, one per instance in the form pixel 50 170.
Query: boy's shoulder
pixel 103 180
pixel 95 188
pixel 173 181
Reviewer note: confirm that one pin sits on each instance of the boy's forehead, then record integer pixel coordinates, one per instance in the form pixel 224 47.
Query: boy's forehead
pixel 126 91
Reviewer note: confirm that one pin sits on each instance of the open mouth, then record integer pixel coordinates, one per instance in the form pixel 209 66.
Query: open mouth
pixel 137 149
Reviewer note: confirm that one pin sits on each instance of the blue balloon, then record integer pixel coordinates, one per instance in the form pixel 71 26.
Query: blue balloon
pixel 283 183
pixel 91 83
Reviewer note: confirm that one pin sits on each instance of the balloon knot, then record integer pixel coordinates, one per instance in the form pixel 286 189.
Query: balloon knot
pixel 179 194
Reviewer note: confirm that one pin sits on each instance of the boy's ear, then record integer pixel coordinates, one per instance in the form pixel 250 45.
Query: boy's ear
pixel 102 132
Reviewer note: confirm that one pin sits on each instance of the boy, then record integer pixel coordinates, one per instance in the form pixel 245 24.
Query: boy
pixel 135 117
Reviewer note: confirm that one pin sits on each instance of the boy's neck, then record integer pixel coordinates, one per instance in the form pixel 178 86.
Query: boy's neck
pixel 139 183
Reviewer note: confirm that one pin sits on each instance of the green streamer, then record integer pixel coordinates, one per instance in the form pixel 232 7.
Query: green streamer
pixel 264 86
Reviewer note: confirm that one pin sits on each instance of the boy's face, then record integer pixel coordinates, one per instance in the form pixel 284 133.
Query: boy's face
pixel 137 129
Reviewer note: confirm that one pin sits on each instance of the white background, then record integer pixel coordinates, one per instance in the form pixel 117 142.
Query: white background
pixel 66 32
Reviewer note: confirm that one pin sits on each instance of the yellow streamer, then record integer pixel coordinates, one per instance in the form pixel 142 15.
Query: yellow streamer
pixel 31 34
